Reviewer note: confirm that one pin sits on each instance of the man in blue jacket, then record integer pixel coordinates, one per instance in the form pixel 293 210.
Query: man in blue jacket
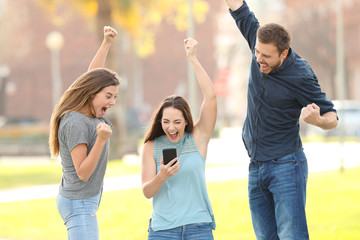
pixel 282 86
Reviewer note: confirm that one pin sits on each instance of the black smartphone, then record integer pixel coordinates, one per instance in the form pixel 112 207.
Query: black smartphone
pixel 168 155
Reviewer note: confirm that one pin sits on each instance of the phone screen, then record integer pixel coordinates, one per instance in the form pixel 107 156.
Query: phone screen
pixel 168 155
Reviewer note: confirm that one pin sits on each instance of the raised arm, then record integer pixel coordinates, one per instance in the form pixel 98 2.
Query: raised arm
pixel 234 4
pixel 206 123
pixel 100 56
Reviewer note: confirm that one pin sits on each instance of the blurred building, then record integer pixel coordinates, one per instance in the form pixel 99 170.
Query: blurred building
pixel 25 27
pixel 222 51
pixel 313 26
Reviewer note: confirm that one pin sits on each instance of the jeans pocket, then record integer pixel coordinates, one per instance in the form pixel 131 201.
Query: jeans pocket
pixel 304 168
pixel 286 159
pixel 252 167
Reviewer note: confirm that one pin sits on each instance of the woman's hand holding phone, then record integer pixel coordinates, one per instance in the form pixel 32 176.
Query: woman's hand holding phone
pixel 169 162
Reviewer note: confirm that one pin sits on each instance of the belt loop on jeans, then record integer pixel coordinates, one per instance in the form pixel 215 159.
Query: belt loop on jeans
pixel 183 232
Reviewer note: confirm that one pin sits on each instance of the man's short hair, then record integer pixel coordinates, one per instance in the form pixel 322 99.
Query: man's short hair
pixel 276 34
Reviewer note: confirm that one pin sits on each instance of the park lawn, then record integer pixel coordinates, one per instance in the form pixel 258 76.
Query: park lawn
pixel 333 205
pixel 332 209
pixel 23 175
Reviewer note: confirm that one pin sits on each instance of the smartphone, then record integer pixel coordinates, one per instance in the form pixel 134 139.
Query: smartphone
pixel 168 155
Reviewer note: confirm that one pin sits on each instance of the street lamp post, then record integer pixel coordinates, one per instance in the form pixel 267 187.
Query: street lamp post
pixel 4 74
pixel 55 41
pixel 340 73
pixel 192 87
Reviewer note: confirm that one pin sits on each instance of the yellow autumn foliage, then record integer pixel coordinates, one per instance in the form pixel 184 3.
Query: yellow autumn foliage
pixel 140 19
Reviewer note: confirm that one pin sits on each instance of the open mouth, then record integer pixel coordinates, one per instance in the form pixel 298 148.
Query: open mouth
pixel 173 136
pixel 264 67
pixel 103 111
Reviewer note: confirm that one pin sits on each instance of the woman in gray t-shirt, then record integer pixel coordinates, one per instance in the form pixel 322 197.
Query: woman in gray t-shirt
pixel 80 134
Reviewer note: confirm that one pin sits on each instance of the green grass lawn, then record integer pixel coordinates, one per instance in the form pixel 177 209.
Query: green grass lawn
pixel 24 175
pixel 333 208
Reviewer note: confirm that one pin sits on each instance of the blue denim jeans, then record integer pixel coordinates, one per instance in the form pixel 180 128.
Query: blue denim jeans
pixel 198 231
pixel 277 195
pixel 79 217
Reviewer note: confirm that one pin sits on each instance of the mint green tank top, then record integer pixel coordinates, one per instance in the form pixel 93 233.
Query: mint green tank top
pixel 183 198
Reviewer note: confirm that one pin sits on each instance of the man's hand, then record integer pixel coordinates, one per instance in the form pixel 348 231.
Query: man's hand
pixel 234 4
pixel 311 115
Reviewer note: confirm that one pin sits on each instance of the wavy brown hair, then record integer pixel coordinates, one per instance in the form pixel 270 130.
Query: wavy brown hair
pixel 174 101
pixel 77 97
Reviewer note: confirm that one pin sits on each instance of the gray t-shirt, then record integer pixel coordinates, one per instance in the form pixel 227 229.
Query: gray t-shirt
pixel 76 128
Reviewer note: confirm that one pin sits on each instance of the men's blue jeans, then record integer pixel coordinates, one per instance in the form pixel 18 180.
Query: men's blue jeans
pixel 198 231
pixel 277 195
pixel 79 216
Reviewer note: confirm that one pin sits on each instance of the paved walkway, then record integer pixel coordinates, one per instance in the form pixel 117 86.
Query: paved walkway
pixel 222 173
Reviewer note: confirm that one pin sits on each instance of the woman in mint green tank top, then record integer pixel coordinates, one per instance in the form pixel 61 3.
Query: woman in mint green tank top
pixel 181 206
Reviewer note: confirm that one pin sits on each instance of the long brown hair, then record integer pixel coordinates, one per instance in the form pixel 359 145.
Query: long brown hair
pixel 174 101
pixel 77 97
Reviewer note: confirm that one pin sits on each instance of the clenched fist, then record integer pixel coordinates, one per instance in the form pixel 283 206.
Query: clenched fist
pixel 103 131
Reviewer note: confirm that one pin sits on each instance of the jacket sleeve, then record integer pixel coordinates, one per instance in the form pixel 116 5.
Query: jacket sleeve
pixel 247 24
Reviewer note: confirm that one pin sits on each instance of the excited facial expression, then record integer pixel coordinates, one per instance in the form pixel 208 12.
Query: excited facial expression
pixel 103 100
pixel 267 55
pixel 173 123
